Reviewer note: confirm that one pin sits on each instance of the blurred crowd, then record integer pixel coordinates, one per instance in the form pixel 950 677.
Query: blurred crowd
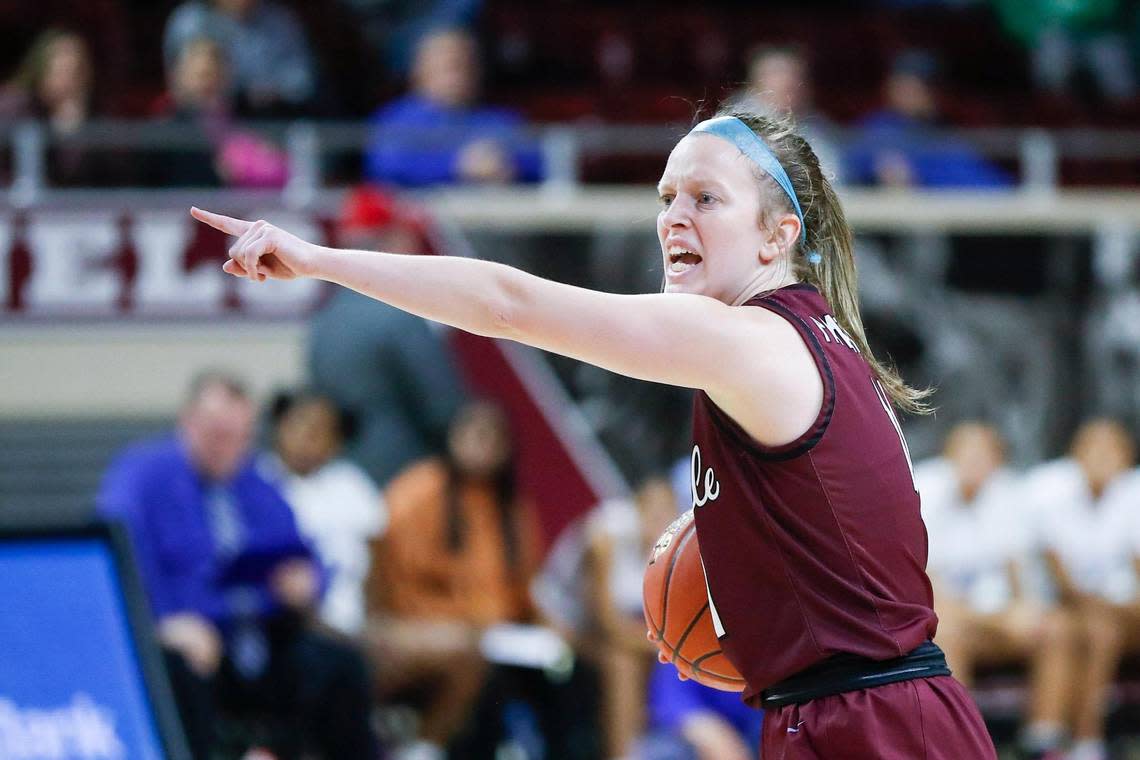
pixel 303 609
pixel 425 75
pixel 1039 567
pixel 307 606
pixel 361 573
pixel 350 569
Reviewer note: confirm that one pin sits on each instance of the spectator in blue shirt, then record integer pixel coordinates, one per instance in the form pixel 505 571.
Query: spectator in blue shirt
pixel 901 146
pixel 688 721
pixel 231 583
pixel 437 134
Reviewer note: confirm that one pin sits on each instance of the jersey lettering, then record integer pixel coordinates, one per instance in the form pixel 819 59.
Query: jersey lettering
pixel 717 625
pixel 705 488
pixel 886 403
pixel 707 491
pixel 830 330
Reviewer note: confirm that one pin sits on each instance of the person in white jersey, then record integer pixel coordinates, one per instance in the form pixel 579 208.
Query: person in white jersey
pixel 590 589
pixel 338 507
pixel 980 538
pixel 1085 506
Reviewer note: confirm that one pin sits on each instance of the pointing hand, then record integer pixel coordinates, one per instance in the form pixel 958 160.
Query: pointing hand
pixel 262 251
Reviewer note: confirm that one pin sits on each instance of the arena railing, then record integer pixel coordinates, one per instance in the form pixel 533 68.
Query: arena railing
pixel 75 297
pixel 1037 153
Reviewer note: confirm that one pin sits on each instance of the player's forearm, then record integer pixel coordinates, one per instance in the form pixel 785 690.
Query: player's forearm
pixel 477 296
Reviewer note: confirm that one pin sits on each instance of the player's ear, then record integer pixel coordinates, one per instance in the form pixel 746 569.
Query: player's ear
pixel 787 230
pixel 769 246
pixel 779 237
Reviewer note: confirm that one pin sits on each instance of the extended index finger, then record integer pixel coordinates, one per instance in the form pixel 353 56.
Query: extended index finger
pixel 226 224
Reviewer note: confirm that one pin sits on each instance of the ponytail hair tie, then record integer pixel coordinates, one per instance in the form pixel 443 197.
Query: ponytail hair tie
pixel 814 258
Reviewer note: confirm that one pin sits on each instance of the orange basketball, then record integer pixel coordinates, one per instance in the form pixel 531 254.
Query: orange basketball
pixel 676 605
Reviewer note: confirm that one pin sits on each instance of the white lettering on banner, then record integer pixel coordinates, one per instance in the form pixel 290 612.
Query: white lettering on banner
pixel 81 264
pixel 80 730
pixel 68 261
pixel 5 253
pixel 702 492
pixel 160 238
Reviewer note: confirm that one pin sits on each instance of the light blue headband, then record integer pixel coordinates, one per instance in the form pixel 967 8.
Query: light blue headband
pixel 741 135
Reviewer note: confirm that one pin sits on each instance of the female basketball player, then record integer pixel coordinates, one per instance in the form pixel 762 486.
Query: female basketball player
pixel 805 504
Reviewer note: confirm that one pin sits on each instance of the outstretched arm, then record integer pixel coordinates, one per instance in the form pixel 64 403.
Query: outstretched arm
pixel 678 339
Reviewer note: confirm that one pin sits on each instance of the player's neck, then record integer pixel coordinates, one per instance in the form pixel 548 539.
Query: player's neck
pixel 765 281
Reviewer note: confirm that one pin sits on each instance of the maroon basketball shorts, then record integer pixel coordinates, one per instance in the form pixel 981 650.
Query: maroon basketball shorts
pixel 921 719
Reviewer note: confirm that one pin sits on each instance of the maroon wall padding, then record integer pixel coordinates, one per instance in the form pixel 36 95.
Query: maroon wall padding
pixel 550 474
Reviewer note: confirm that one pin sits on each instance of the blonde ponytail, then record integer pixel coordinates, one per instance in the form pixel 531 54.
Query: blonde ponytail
pixel 829 235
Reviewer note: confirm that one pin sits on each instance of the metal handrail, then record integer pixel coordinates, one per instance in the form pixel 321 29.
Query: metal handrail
pixel 1037 151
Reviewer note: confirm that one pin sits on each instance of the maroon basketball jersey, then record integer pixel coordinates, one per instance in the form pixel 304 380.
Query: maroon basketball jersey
pixel 817 547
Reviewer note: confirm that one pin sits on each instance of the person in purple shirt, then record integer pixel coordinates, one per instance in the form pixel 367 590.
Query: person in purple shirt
pixel 231 583
pixel 437 134
pixel 689 721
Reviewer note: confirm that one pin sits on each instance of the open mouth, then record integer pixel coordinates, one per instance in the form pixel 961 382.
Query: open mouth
pixel 681 261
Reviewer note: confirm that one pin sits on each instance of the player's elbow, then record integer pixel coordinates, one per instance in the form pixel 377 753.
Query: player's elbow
pixel 506 309
pixel 501 321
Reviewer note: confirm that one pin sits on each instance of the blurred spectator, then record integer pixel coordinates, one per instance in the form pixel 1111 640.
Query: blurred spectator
pixel 389 369
pixel 392 27
pixel 231 583
pixel 980 539
pixel 273 72
pixel 901 146
pixel 459 555
pixel 1064 34
pixel 591 591
pixel 689 721
pixel 1087 507
pixel 437 134
pixel 337 506
pixel 199 97
pixel 779 79
pixel 55 84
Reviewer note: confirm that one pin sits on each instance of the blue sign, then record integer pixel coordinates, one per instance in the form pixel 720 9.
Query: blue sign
pixel 71 685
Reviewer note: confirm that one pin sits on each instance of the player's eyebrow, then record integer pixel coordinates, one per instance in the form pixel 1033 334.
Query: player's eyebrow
pixel 700 180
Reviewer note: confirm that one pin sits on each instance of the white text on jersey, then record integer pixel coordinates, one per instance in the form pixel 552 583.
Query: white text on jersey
pixel 831 330
pixel 711 488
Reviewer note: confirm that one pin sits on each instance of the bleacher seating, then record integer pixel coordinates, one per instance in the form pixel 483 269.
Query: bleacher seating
pixel 538 51
pixel 633 63
pixel 51 468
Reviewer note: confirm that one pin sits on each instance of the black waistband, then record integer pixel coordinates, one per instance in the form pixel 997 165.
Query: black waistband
pixel 846 672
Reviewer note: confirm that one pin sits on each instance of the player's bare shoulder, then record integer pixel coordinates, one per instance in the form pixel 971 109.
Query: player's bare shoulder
pixel 773 387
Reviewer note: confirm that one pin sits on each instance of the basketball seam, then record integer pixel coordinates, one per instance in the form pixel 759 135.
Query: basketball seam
pixel 668 579
pixel 696 665
pixel 675 650
pixel 688 629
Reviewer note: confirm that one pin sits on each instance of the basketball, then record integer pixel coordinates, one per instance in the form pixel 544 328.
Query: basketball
pixel 676 605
